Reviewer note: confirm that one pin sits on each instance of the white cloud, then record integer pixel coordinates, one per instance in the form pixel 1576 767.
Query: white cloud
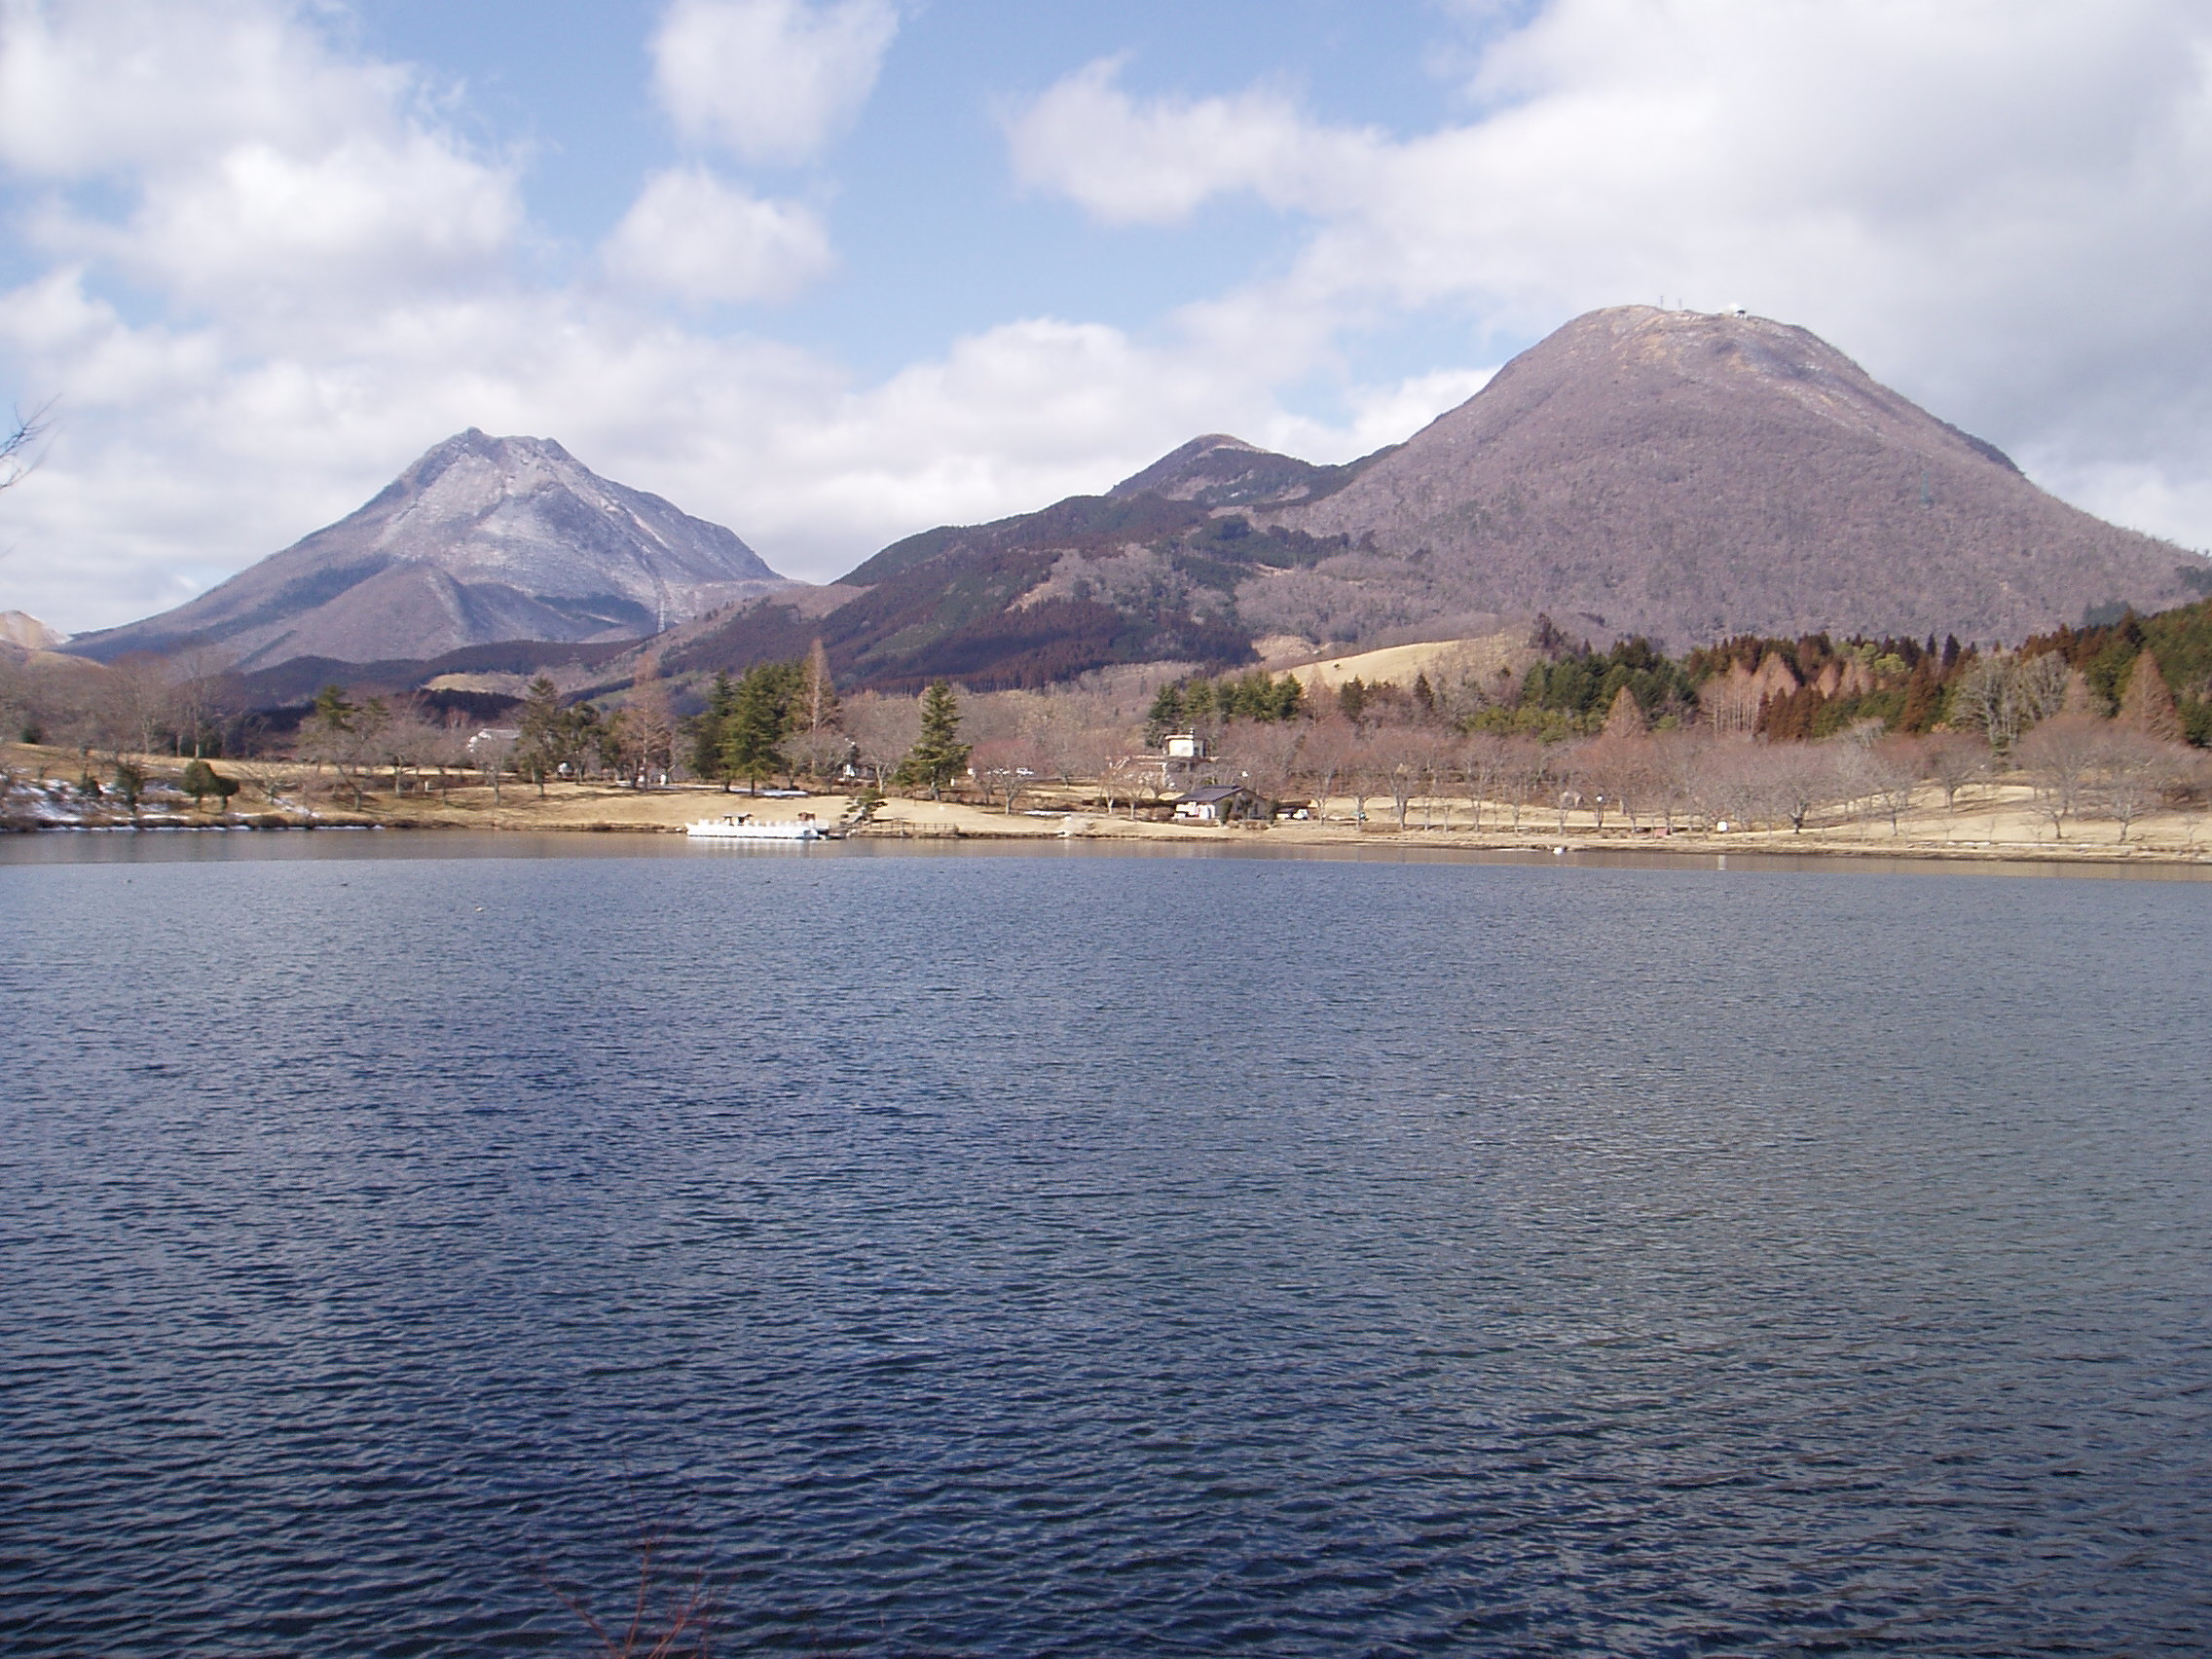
pixel 1379 415
pixel 2004 206
pixel 771 80
pixel 89 86
pixel 263 176
pixel 692 236
pixel 256 226
pixel 1156 163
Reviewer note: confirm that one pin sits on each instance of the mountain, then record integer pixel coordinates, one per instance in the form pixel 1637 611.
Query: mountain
pixel 20 629
pixel 1676 474
pixel 1138 575
pixel 1688 476
pixel 1218 470
pixel 481 541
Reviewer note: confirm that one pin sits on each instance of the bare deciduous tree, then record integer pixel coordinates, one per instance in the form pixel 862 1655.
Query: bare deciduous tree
pixel 2002 696
pixel 1805 777
pixel 645 740
pixel 883 729
pixel 406 743
pixel 1268 752
pixel 1885 775
pixel 1677 756
pixel 196 695
pixel 1400 756
pixel 1481 767
pixel 1006 766
pixel 16 441
pixel 492 751
pixel 131 705
pixel 2137 771
pixel 1330 744
pixel 1523 769
pixel 1618 770
pixel 1730 784
pixel 448 748
pixel 1126 777
pixel 1954 759
pixel 2060 756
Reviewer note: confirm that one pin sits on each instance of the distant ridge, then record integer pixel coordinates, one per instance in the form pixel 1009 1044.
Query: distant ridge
pixel 482 539
pixel 1680 475
pixel 1674 475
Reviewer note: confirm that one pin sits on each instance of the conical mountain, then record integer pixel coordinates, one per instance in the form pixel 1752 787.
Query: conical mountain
pixel 1689 475
pixel 482 539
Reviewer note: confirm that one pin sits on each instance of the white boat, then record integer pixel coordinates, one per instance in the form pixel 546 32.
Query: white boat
pixel 743 827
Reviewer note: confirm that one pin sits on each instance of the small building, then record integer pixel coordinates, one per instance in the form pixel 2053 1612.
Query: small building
pixel 1219 803
pixel 1185 746
pixel 492 737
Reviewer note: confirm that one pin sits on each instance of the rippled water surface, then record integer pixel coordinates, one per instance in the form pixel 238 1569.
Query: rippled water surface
pixel 1089 1256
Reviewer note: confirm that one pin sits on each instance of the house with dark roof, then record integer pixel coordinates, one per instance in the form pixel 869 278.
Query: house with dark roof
pixel 1220 803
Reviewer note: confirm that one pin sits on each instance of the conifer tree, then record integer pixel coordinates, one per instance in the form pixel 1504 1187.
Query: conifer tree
pixel 1923 696
pixel 543 732
pixel 938 754
pixel 202 780
pixel 332 709
pixel 753 737
pixel 708 727
pixel 1625 719
pixel 1164 716
pixel 2148 705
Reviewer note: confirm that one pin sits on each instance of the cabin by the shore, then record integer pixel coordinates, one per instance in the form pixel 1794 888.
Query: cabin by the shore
pixel 1221 803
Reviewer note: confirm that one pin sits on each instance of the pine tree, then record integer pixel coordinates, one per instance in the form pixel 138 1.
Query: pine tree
pixel 129 783
pixel 708 727
pixel 198 779
pixel 332 709
pixel 753 737
pixel 544 733
pixel 938 754
pixel 2148 705
pixel 1164 716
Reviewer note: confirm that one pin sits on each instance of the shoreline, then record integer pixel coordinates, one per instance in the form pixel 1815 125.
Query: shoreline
pixel 1989 823
pixel 968 825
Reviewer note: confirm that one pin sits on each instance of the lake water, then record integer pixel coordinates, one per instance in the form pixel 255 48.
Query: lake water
pixel 1037 1254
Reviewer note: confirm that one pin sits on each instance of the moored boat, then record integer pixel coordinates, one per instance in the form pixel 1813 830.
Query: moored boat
pixel 743 827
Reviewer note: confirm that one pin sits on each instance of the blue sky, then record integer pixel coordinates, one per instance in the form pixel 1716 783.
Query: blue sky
pixel 935 236
pixel 832 271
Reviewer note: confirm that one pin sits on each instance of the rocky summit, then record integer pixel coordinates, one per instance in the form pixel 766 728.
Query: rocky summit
pixel 482 539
